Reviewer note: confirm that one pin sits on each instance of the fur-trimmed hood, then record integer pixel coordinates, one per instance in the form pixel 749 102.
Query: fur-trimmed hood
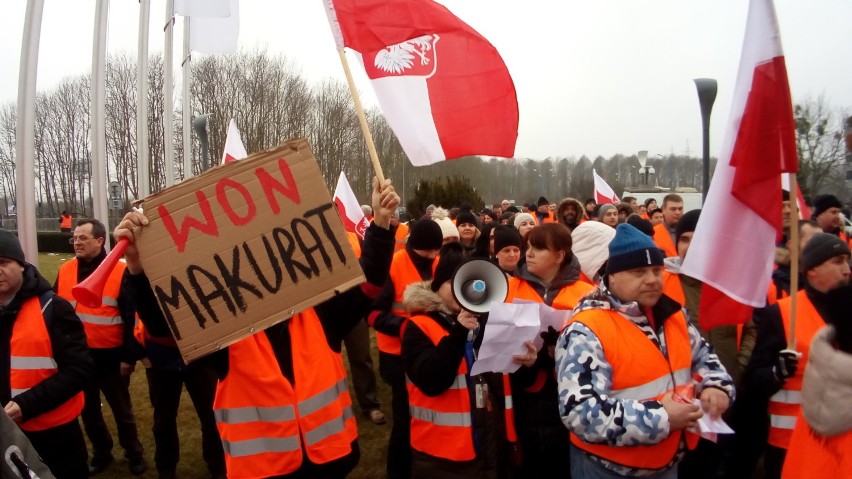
pixel 827 386
pixel 563 205
pixel 419 298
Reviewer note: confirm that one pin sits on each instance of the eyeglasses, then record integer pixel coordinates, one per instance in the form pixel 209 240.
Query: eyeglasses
pixel 79 239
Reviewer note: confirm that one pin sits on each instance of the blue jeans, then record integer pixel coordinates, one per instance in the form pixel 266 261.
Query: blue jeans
pixel 583 468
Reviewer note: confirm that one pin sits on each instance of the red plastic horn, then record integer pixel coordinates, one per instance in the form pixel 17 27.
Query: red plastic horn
pixel 91 290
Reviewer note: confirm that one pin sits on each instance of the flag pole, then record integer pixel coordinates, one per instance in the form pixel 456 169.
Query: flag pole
pixel 143 183
pixel 98 114
pixel 168 92
pixel 794 259
pixel 185 103
pixel 362 118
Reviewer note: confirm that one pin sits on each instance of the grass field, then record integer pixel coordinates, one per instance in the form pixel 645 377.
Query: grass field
pixel 371 438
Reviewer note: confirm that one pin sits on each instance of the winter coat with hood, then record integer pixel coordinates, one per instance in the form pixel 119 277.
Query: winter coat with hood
pixel 822 444
pixel 534 391
pixel 563 205
pixel 433 369
pixel 68 341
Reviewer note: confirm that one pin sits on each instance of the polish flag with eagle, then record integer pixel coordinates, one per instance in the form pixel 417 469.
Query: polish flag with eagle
pixel 348 208
pixel 603 192
pixel 442 87
pixel 733 249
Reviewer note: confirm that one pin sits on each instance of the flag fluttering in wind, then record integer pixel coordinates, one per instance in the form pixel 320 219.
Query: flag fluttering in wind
pixel 203 8
pixel 234 148
pixel 733 248
pixel 211 32
pixel 348 208
pixel 442 87
pixel 603 192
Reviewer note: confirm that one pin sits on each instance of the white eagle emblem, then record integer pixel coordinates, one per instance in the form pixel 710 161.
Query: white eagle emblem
pixel 395 59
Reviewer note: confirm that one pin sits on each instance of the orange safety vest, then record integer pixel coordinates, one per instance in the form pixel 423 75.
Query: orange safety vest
pixel 32 362
pixel 549 218
pixel 811 455
pixel 640 371
pixel 66 222
pixel 103 325
pixel 354 243
pixel 401 237
pixel 402 273
pixel 441 425
pixel 664 240
pixel 567 298
pixel 265 421
pixel 786 404
pixel 672 287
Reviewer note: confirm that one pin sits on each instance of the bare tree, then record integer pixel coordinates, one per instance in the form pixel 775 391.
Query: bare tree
pixel 820 146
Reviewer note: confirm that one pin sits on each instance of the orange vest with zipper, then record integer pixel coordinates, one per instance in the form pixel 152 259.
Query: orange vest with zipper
pixel 104 326
pixel 402 273
pixel 265 421
pixel 441 426
pixel 566 299
pixel 785 405
pixel 640 371
pixel 32 362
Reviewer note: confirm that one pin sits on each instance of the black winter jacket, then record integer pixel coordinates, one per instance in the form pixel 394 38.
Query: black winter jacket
pixel 70 350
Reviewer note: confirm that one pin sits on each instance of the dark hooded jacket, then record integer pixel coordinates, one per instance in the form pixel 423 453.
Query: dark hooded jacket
pixel 563 206
pixel 68 341
pixel 433 368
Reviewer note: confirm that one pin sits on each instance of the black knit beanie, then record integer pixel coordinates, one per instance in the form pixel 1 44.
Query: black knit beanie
pixel 452 256
pixel 465 216
pixel 821 248
pixel 687 224
pixel 823 203
pixel 426 235
pixel 641 224
pixel 10 247
pixel 504 236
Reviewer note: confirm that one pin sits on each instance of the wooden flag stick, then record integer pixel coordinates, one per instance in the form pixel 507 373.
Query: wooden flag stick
pixel 794 260
pixel 362 118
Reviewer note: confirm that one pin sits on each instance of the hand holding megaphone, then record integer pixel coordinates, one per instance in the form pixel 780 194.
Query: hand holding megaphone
pixel 477 283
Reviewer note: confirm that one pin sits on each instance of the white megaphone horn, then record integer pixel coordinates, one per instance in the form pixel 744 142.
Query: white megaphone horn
pixel 477 283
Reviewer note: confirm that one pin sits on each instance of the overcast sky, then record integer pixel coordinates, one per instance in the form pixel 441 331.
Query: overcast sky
pixel 601 77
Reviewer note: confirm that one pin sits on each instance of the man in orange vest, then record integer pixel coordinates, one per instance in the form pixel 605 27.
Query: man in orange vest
pixel 282 403
pixel 44 363
pixel 664 233
pixel 827 215
pixel 66 222
pixel 774 370
pixel 412 265
pixel 628 368
pixel 543 214
pixel 107 328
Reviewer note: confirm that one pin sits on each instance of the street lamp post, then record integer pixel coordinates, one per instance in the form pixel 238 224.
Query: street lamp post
pixel 707 88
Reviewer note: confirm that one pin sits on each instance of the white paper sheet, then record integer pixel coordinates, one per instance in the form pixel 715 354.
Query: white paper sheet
pixel 508 327
pixel 547 317
pixel 709 428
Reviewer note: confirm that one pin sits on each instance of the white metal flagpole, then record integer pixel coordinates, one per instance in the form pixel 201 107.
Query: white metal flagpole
pixel 143 166
pixel 168 94
pixel 98 113
pixel 185 104
pixel 25 138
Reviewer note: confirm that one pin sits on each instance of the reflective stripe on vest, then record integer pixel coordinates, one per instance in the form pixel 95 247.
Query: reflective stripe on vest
pixel 639 367
pixel 441 426
pixel 266 423
pixel 103 325
pixel 32 362
pixel 785 405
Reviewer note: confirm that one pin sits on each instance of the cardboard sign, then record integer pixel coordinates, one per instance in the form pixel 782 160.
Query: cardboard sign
pixel 244 246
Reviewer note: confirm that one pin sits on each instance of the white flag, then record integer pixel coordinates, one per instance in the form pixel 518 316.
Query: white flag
pixel 203 8
pixel 234 148
pixel 603 192
pixel 348 208
pixel 215 36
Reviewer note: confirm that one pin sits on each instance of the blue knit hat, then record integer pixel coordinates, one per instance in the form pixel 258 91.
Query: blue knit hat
pixel 631 249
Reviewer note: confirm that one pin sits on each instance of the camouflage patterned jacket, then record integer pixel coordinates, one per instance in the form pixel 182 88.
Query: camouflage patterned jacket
pixel 585 380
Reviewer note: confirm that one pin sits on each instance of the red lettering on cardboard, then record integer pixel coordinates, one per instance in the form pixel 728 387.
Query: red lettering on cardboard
pixel 225 203
pixel 270 185
pixel 208 227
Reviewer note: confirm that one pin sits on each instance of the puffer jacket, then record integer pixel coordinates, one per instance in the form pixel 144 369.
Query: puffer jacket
pixel 433 368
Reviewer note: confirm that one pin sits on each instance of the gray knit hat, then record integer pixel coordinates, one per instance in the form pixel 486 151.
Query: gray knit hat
pixel 821 248
pixel 10 247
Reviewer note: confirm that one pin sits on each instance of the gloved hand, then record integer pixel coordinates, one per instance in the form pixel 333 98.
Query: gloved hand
pixel 550 336
pixel 785 365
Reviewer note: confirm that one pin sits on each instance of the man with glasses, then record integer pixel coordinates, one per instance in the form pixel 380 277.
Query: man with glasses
pixel 106 328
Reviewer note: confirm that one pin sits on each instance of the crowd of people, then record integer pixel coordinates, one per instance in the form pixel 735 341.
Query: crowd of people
pixel 620 391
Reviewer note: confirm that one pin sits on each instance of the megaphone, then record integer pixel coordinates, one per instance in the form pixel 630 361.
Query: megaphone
pixel 478 282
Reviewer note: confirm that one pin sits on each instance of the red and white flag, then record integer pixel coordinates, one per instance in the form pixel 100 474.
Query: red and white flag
pixel 733 248
pixel 442 87
pixel 804 211
pixel 603 192
pixel 234 148
pixel 348 208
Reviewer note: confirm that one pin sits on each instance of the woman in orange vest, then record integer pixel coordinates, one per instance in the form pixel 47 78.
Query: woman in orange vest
pixel 627 367
pixel 550 275
pixel 457 420
pixel 821 445
pixel 282 404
